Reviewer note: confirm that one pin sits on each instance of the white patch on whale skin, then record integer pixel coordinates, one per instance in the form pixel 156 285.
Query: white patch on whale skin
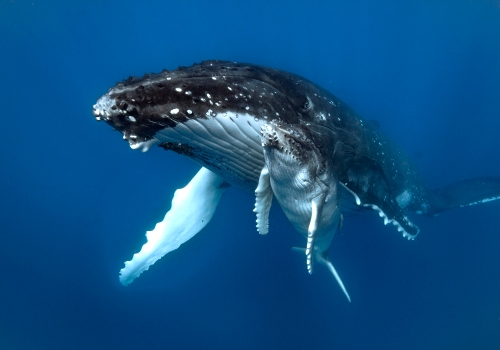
pixel 192 208
pixel 143 146
pixel 481 201
pixel 101 107
pixel 404 198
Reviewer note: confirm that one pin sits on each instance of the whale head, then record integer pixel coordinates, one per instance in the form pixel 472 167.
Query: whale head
pixel 211 112
pixel 140 107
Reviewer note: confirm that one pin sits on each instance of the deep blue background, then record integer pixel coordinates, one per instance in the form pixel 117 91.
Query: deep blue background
pixel 75 201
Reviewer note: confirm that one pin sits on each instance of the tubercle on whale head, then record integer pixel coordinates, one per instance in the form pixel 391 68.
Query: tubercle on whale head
pixel 123 117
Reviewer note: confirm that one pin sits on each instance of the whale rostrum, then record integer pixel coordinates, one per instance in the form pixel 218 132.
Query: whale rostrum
pixel 273 134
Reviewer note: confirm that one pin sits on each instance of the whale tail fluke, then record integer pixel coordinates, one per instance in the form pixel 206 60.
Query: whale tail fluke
pixel 464 193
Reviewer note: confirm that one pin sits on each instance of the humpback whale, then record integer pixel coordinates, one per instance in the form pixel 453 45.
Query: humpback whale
pixel 276 135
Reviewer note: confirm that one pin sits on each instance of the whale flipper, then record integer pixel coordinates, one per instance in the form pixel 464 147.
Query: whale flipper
pixel 192 208
pixel 317 204
pixel 263 201
pixel 464 193
pixel 323 258
pixel 366 180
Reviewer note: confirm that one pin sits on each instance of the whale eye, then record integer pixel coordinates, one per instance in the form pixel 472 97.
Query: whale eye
pixel 306 105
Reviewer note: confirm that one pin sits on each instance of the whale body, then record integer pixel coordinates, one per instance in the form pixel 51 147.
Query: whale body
pixel 276 135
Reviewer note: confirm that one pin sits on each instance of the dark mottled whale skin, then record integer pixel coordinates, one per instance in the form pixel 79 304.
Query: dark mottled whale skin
pixel 174 109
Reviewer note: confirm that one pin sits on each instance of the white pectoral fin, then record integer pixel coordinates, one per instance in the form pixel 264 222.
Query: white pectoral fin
pixel 316 208
pixel 325 261
pixel 192 208
pixel 263 201
pixel 329 264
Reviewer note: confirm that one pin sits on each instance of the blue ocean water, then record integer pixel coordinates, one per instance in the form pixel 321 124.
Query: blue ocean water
pixel 76 201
